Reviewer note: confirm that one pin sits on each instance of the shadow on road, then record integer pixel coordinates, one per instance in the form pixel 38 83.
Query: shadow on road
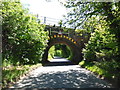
pixel 62 78
pixel 58 61
pixel 61 73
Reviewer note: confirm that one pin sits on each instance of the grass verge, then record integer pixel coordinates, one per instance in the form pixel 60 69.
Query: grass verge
pixel 12 74
pixel 106 69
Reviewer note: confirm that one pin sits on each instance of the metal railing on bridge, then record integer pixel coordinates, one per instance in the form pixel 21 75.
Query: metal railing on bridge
pixel 52 25
pixel 54 29
pixel 49 21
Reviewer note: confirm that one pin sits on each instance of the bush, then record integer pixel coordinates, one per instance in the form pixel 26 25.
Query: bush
pixel 102 51
pixel 105 68
pixel 63 51
pixel 51 52
pixel 66 51
pixel 24 39
pixel 58 53
pixel 102 44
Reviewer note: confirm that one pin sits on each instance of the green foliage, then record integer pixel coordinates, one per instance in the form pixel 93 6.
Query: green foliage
pixel 111 13
pixel 87 9
pixel 51 52
pixel 66 51
pixel 12 74
pixel 24 39
pixel 102 44
pixel 73 17
pixel 105 68
pixel 103 48
pixel 58 53
pixel 109 66
pixel 58 50
pixel 81 32
pixel 62 51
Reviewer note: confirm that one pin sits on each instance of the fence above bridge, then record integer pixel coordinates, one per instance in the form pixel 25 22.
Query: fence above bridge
pixel 54 28
pixel 48 20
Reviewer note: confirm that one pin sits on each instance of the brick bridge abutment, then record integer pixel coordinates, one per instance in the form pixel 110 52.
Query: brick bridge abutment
pixel 62 39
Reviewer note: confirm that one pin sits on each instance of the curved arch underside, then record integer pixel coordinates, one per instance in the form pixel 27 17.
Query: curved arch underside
pixel 77 51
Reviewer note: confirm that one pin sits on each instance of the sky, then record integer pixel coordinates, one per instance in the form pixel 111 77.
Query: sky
pixel 51 9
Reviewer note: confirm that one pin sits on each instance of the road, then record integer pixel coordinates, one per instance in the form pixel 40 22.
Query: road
pixel 61 76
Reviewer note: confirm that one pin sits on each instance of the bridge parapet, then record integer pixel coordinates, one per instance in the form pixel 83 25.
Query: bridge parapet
pixel 68 37
pixel 57 31
pixel 54 30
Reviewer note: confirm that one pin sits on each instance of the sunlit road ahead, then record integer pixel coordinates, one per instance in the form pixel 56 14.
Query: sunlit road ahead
pixel 61 76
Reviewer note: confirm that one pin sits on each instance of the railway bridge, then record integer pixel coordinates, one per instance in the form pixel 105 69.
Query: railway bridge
pixel 57 35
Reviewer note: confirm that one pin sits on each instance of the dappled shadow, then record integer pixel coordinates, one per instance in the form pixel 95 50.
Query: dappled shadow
pixel 71 78
pixel 58 63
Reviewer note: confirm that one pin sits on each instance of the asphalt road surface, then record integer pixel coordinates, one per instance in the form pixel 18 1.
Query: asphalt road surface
pixel 61 73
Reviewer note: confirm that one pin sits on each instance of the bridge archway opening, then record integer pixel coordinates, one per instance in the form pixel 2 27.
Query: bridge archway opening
pixel 60 50
pixel 61 39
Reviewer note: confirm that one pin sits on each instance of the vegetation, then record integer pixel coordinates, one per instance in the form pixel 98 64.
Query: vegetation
pixel 60 50
pixel 51 53
pixel 100 20
pixel 24 39
pixel 12 74
pixel 109 10
pixel 102 45
pixel 104 68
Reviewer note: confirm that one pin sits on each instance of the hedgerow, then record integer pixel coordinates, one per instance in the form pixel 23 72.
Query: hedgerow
pixel 23 38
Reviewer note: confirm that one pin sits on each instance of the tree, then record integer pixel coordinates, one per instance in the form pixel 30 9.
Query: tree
pixel 23 38
pixel 81 11
pixel 102 45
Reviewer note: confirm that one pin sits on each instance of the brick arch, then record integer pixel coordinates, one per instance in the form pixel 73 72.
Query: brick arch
pixel 62 39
